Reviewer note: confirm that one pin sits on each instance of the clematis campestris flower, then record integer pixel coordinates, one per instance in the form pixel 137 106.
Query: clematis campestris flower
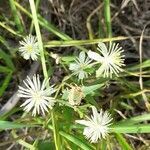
pixel 29 48
pixel 38 95
pixel 111 59
pixel 96 127
pixel 79 66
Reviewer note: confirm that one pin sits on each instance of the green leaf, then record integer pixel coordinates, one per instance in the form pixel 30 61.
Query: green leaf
pixel 11 125
pixel 141 128
pixel 4 116
pixel 90 89
pixel 5 69
pixel 135 120
pixel 67 59
pixel 123 143
pixel 103 144
pixel 126 106
pixel 90 100
pixel 76 141
pixel 45 145
pixel 5 83
pixel 7 59
pixel 144 64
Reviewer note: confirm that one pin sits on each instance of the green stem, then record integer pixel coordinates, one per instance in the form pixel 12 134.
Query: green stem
pixel 38 33
pixel 32 24
pixel 55 131
pixel 82 42
pixel 39 38
pixel 107 14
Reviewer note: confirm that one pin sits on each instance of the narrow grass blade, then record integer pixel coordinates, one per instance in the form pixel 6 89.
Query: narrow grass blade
pixel 11 125
pixel 107 14
pixel 5 69
pixel 37 6
pixel 9 29
pixel 4 42
pixel 81 42
pixel 16 16
pixel 135 120
pixel 7 59
pixel 5 83
pixel 76 141
pixel 39 37
pixel 123 143
pixel 142 128
pixel 135 67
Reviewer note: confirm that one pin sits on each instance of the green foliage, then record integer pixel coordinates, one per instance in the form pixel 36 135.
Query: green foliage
pixel 76 141
pixel 46 145
pixel 7 69
pixel 12 125
pixel 123 143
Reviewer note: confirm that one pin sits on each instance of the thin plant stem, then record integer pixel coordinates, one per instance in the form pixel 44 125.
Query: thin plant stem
pixel 83 42
pixel 55 131
pixel 32 24
pixel 107 14
pixel 39 38
pixel 38 33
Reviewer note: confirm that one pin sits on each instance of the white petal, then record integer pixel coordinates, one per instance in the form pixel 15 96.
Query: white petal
pixel 94 56
pixel 73 66
pixel 26 56
pixel 82 57
pixel 102 48
pixel 100 71
pixel 81 75
pixel 84 122
pixel 95 114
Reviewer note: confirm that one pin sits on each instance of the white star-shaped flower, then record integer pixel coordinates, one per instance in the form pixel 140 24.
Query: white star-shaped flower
pixel 37 95
pixel 110 59
pixel 81 63
pixel 29 48
pixel 97 127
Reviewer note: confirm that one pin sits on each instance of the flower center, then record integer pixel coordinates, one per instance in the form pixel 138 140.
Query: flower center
pixel 37 96
pixel 29 48
pixel 82 65
pixel 108 60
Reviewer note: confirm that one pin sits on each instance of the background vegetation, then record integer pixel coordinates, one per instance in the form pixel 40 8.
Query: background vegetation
pixel 68 27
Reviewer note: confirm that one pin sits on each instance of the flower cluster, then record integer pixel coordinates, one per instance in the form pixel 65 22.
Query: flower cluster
pixel 110 59
pixel 39 97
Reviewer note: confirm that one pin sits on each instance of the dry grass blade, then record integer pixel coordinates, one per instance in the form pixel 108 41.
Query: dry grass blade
pixel 141 77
